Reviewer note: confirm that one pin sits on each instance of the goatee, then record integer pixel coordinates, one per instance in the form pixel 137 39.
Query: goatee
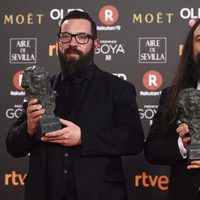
pixel 71 66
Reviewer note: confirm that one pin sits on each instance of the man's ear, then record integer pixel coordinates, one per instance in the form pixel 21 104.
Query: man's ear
pixel 96 44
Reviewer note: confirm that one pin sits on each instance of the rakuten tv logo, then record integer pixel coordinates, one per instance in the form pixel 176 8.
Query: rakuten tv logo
pixel 17 80
pixel 108 15
pixel 152 80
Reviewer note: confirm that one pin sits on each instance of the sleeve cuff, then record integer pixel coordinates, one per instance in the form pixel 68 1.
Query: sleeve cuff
pixel 182 149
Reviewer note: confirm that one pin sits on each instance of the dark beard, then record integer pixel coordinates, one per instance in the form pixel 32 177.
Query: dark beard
pixel 71 66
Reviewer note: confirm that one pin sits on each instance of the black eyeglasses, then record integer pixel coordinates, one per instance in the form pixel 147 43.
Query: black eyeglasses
pixel 81 38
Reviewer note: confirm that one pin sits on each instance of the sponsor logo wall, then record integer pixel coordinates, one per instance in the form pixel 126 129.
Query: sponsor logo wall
pixel 139 43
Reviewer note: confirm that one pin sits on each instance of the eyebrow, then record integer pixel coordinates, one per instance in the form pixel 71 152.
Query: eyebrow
pixel 197 36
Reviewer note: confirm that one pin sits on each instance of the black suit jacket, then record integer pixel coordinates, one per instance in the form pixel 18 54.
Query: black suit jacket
pixel 110 128
pixel 161 147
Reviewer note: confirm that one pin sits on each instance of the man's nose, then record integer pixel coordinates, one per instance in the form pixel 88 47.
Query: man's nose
pixel 73 41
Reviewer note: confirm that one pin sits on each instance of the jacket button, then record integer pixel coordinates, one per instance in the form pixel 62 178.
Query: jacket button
pixel 66 154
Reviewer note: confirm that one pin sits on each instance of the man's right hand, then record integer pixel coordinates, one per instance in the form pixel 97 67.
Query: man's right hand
pixel 34 115
pixel 182 130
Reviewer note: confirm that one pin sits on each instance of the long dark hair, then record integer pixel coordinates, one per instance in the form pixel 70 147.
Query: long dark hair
pixel 186 76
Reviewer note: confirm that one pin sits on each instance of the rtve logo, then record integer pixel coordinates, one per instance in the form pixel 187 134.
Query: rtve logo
pixel 108 15
pixel 17 80
pixel 146 180
pixel 14 179
pixel 152 80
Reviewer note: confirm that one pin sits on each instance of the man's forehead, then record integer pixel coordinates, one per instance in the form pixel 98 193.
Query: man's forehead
pixel 82 23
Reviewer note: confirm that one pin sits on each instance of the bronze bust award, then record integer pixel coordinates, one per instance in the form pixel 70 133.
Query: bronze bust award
pixel 36 84
pixel 189 107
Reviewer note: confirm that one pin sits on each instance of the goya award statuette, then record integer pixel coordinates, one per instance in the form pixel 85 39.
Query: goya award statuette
pixel 189 107
pixel 36 84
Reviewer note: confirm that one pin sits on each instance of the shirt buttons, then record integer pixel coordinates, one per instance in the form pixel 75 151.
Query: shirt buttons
pixel 66 154
pixel 65 171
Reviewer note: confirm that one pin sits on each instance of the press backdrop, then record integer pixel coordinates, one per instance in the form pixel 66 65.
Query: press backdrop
pixel 141 42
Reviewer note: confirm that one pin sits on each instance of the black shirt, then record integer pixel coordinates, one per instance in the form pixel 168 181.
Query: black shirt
pixel 60 177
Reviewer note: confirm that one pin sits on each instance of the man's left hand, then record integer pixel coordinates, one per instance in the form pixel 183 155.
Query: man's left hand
pixel 68 136
pixel 194 165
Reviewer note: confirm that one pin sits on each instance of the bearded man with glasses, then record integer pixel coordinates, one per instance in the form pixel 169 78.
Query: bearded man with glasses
pixel 100 123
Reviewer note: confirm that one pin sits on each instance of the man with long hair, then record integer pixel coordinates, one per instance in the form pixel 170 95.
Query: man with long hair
pixel 168 139
pixel 100 123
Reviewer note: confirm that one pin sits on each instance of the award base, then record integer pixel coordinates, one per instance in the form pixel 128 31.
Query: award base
pixel 49 124
pixel 194 152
